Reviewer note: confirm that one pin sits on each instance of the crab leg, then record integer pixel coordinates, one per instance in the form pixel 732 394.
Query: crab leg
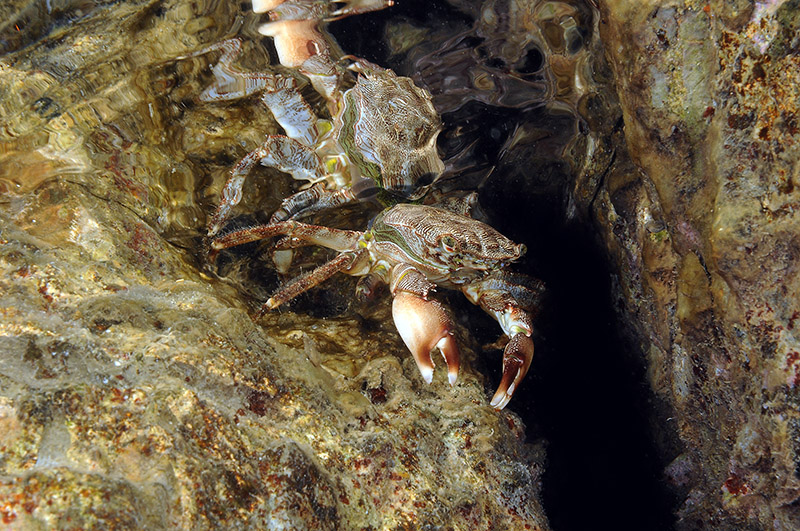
pixel 305 282
pixel 422 323
pixel 291 153
pixel 230 82
pixel 336 239
pixel 279 152
pixel 303 203
pixel 291 111
pixel 339 240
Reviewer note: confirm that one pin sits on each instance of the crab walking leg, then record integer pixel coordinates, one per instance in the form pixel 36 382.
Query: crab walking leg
pixel 280 152
pixel 423 324
pixel 291 111
pixel 305 282
pixel 230 82
pixel 280 92
pixel 336 239
pixel 303 203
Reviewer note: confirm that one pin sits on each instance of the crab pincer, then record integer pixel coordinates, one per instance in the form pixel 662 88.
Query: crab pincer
pixel 415 249
pixel 517 358
pixel 424 325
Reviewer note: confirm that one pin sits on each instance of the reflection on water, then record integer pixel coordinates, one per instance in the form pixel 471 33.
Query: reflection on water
pixel 507 77
pixel 94 97
pixel 94 93
pixel 99 94
pixel 91 92
pixel 510 78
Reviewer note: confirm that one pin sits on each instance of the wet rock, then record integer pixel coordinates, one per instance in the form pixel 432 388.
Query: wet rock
pixel 135 389
pixel 698 208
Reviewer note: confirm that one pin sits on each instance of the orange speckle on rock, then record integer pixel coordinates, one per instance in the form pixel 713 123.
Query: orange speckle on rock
pixel 736 485
pixel 792 319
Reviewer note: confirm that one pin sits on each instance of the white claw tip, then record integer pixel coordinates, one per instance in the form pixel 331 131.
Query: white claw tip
pixel 452 376
pixel 427 374
pixel 510 390
pixel 500 401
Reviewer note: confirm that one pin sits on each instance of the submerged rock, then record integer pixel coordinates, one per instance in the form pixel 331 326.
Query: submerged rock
pixel 135 389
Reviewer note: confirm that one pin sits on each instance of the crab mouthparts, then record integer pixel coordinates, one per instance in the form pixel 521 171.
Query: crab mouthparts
pixel 425 325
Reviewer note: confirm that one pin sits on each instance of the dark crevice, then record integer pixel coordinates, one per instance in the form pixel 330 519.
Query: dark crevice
pixel 586 394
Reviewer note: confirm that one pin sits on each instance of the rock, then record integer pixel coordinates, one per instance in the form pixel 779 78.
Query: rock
pixel 135 389
pixel 698 208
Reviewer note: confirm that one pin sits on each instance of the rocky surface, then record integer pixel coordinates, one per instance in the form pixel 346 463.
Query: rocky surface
pixel 135 390
pixel 698 207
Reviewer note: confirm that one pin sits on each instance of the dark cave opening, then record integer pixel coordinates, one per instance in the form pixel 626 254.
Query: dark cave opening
pixel 586 394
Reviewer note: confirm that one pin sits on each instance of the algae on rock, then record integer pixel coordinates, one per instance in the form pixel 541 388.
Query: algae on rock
pixel 135 390
pixel 699 211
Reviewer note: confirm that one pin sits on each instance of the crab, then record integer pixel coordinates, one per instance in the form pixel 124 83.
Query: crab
pixel 379 142
pixel 415 248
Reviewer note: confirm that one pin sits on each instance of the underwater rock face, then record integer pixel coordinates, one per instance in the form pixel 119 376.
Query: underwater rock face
pixel 135 390
pixel 699 207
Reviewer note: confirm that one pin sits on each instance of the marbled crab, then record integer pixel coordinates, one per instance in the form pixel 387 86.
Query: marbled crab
pixel 414 249
pixel 381 135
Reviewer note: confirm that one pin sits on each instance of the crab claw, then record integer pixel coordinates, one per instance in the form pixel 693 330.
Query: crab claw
pixel 423 325
pixel 516 360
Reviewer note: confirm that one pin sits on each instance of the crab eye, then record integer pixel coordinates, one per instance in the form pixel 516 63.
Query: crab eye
pixel 449 244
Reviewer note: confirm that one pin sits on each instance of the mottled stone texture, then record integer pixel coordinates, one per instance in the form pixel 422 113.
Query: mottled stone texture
pixel 699 206
pixel 135 390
